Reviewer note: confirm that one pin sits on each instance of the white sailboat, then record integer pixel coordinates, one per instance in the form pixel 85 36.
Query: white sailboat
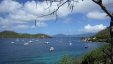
pixel 30 41
pixel 26 43
pixel 46 42
pixel 70 43
pixel 12 42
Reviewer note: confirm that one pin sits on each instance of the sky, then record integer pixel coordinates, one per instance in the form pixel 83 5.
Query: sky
pixel 20 16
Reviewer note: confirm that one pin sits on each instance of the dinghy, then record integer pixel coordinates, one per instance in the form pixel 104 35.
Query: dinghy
pixel 86 46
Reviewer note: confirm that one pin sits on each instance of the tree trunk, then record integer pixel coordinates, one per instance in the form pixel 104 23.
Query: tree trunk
pixel 111 34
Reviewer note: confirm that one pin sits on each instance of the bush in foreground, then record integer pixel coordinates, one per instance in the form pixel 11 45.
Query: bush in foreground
pixel 96 56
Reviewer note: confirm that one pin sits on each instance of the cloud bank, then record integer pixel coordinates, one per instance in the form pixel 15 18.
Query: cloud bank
pixel 13 12
pixel 93 28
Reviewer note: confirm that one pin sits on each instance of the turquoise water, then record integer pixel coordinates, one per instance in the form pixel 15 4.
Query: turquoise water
pixel 37 52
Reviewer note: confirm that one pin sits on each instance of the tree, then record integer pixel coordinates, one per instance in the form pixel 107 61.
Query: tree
pixel 71 6
pixel 99 2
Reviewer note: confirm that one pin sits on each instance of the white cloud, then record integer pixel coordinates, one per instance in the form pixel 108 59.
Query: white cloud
pixel 41 24
pixel 21 27
pixel 97 15
pixel 19 13
pixel 9 6
pixel 22 16
pixel 93 29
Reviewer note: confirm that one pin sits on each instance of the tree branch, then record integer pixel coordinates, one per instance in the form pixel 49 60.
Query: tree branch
pixel 99 2
pixel 55 11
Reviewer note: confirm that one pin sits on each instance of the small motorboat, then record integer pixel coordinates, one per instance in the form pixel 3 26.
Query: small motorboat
pixel 86 46
pixel 51 49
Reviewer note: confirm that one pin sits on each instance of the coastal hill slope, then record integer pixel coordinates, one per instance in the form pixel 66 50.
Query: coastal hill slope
pixel 102 36
pixel 12 34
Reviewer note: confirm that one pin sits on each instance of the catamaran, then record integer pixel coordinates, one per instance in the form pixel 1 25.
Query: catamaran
pixel 51 49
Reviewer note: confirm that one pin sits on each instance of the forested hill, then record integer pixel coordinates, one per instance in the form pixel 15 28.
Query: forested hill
pixel 103 35
pixel 12 34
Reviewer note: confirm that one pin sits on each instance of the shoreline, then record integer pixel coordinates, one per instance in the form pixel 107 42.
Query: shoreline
pixel 94 39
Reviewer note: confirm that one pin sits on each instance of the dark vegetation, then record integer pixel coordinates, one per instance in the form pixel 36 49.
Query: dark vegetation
pixel 102 36
pixel 96 56
pixel 12 34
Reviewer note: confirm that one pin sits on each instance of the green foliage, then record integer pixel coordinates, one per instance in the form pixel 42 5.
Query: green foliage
pixel 96 57
pixel 102 36
pixel 11 34
pixel 66 60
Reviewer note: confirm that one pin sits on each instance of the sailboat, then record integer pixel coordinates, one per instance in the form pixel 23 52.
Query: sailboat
pixel 70 43
pixel 30 41
pixel 12 42
pixel 26 43
pixel 46 42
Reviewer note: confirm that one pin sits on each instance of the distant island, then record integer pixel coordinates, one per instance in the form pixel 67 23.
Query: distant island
pixel 102 36
pixel 12 34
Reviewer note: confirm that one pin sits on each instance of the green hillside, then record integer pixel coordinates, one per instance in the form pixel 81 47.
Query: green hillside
pixel 12 34
pixel 102 36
